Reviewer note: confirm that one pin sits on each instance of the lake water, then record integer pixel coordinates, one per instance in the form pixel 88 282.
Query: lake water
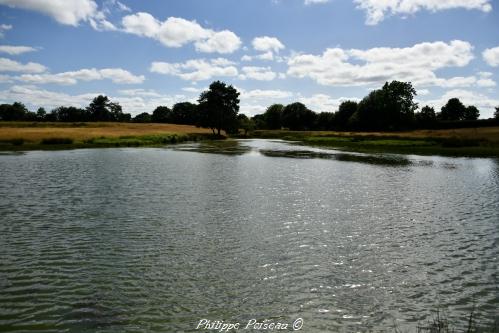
pixel 154 240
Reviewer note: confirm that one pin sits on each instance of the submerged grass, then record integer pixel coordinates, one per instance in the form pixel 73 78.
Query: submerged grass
pixel 481 142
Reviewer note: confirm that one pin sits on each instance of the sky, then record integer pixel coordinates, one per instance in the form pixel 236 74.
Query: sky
pixel 143 54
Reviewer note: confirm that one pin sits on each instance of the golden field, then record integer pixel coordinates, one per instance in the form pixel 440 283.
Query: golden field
pixel 36 132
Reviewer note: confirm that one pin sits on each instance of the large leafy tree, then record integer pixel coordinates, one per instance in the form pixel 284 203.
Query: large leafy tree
pixel 426 117
pixel 345 111
pixel 297 117
pixel 219 106
pixel 389 108
pixel 185 113
pixel 162 114
pixel 453 110
pixel 496 114
pixel 471 113
pixel 273 116
pixel 15 111
pixel 102 109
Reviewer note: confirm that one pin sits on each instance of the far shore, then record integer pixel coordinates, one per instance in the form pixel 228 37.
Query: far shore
pixel 22 136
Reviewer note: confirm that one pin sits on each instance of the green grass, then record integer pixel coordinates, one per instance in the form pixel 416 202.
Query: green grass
pixel 101 142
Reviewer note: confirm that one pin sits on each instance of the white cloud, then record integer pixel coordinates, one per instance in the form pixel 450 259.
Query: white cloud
pixel 222 42
pixel 265 94
pixel 140 92
pixel 69 12
pixel 3 28
pixel 15 50
pixel 377 10
pixel 116 75
pixel 252 109
pixel 354 67
pixel 258 73
pixel 35 97
pixel 7 65
pixel 177 32
pixel 192 90
pixel 196 69
pixel 491 56
pixel 324 103
pixel 314 2
pixel 266 44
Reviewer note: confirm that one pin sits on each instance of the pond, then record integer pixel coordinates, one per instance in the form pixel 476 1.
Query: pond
pixel 156 240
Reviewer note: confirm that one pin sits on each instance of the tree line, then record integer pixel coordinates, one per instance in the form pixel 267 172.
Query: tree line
pixel 388 109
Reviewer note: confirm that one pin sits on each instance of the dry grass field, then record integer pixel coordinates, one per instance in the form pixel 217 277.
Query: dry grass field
pixel 36 132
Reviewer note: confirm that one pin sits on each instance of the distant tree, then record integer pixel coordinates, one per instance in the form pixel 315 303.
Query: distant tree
pixel 426 117
pixel 41 113
pixel 272 117
pixel 245 123
pixel 12 112
pixel 453 110
pixel 324 121
pixel 185 114
pixel 162 114
pixel 345 111
pixel 471 113
pixel 259 121
pixel 70 114
pixel 297 117
pixel 389 108
pixel 144 117
pixel 496 114
pixel 219 106
pixel 102 109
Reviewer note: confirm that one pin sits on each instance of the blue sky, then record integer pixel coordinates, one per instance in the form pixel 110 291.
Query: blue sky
pixel 320 52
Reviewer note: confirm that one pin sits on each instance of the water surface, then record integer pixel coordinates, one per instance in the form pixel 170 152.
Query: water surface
pixel 153 240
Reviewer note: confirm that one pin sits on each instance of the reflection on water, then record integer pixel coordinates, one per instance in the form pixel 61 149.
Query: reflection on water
pixel 153 240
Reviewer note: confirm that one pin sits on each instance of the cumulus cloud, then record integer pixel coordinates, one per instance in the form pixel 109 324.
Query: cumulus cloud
pixel 258 73
pixel 314 2
pixel 265 94
pixel 16 50
pixel 177 32
pixel 3 28
pixel 491 56
pixel 8 65
pixel 68 12
pixel 324 103
pixel 36 97
pixel 116 75
pixel 354 67
pixel 196 69
pixel 266 44
pixel 376 10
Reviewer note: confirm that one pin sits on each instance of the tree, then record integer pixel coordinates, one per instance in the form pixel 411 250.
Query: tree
pixel 41 114
pixel 496 114
pixel 453 110
pixel 102 109
pixel 219 106
pixel 162 114
pixel 345 111
pixel 144 117
pixel 185 114
pixel 324 121
pixel 471 113
pixel 389 108
pixel 427 116
pixel 70 114
pixel 297 117
pixel 11 112
pixel 245 123
pixel 272 116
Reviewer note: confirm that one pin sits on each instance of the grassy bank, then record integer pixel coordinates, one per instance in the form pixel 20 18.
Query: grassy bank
pixel 34 136
pixel 473 142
